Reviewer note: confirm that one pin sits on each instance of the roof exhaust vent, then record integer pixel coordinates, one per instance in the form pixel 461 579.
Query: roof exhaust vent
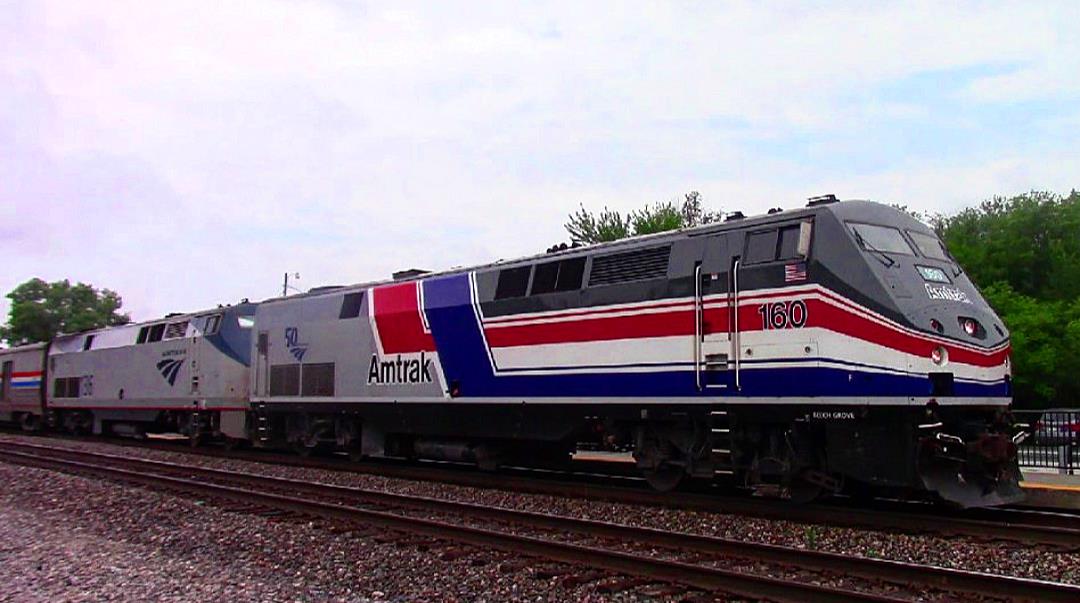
pixel 556 248
pixel 775 210
pixel 821 200
pixel 401 275
pixel 735 215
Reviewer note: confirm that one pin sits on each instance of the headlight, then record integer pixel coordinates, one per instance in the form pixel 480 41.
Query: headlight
pixel 939 356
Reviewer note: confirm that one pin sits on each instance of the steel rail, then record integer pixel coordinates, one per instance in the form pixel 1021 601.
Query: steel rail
pixel 701 577
pixel 867 568
pixel 1023 526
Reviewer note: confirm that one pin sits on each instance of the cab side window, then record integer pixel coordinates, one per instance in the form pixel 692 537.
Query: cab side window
pixel 789 243
pixel 760 247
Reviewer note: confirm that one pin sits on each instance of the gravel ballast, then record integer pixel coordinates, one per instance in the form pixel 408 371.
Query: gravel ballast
pixel 69 538
pixel 1005 558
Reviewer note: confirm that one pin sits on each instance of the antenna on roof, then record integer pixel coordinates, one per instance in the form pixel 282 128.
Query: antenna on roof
pixel 822 200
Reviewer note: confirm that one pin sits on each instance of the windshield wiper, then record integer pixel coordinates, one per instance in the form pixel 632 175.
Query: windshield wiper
pixel 882 257
pixel 957 270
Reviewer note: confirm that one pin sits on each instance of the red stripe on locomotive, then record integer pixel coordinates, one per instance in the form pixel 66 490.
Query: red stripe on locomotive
pixel 397 317
pixel 681 323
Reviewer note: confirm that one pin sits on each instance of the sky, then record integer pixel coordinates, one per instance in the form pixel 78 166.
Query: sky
pixel 188 154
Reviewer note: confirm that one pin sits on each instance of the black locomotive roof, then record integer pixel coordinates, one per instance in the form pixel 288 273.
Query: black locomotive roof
pixel 627 243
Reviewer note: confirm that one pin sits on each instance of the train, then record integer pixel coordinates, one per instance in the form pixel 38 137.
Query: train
pixel 836 348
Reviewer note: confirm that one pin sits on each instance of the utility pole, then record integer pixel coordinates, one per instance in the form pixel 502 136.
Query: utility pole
pixel 285 285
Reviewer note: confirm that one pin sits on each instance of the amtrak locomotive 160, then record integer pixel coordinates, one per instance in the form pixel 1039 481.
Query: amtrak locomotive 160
pixel 833 348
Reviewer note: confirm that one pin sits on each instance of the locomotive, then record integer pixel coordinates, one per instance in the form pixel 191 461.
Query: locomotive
pixel 832 348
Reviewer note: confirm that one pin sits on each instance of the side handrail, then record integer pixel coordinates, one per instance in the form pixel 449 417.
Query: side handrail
pixel 697 326
pixel 736 338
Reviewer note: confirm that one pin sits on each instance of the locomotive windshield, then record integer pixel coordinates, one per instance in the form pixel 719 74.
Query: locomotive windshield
pixel 929 246
pixel 881 239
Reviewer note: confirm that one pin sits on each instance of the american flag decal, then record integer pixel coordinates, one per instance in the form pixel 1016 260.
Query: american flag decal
pixel 795 272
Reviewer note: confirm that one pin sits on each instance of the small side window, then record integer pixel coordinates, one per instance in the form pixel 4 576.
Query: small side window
pixel 513 282
pixel 89 341
pixel 143 332
pixel 350 305
pixel 789 243
pixel 564 275
pixel 760 247
pixel 571 273
pixel 545 277
pixel 213 324
pixel 156 333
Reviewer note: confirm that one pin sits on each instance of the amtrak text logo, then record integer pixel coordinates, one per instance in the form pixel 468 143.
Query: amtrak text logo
pixel 946 293
pixel 399 371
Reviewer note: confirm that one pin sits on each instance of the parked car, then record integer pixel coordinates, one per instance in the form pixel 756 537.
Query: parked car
pixel 1057 429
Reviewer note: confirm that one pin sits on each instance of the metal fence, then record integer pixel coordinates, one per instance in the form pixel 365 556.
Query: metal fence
pixel 1054 442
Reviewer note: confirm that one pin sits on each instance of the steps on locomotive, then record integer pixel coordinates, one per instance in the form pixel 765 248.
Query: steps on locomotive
pixel 721 444
pixel 262 423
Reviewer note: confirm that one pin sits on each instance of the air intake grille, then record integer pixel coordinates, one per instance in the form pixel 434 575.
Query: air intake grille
pixel 176 329
pixel 630 266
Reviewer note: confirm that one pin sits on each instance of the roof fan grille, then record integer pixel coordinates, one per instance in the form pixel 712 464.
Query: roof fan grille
pixel 630 266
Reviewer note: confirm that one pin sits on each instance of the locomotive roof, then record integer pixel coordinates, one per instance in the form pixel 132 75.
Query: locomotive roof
pixel 22 348
pixel 173 317
pixel 640 240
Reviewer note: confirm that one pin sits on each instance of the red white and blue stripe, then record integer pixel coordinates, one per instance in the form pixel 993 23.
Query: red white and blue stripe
pixel 26 380
pixel 645 349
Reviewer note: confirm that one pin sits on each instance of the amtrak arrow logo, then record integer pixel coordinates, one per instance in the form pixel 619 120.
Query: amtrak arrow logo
pixel 169 369
pixel 292 341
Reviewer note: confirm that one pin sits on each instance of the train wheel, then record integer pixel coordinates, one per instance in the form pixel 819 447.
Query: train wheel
pixel 303 449
pixel 810 485
pixel 665 478
pixel 802 492
pixel 232 444
pixel 30 423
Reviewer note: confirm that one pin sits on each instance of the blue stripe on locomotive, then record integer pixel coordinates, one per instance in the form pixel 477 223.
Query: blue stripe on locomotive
pixel 466 362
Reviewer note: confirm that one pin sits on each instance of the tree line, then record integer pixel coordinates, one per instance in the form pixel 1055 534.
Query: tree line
pixel 1023 252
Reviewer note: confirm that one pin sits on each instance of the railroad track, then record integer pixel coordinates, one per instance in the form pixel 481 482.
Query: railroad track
pixel 699 562
pixel 1057 530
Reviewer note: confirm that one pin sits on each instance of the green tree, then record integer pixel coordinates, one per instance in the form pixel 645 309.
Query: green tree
pixel 585 227
pixel 1024 252
pixel 1045 339
pixel 40 310
pixel 1030 241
